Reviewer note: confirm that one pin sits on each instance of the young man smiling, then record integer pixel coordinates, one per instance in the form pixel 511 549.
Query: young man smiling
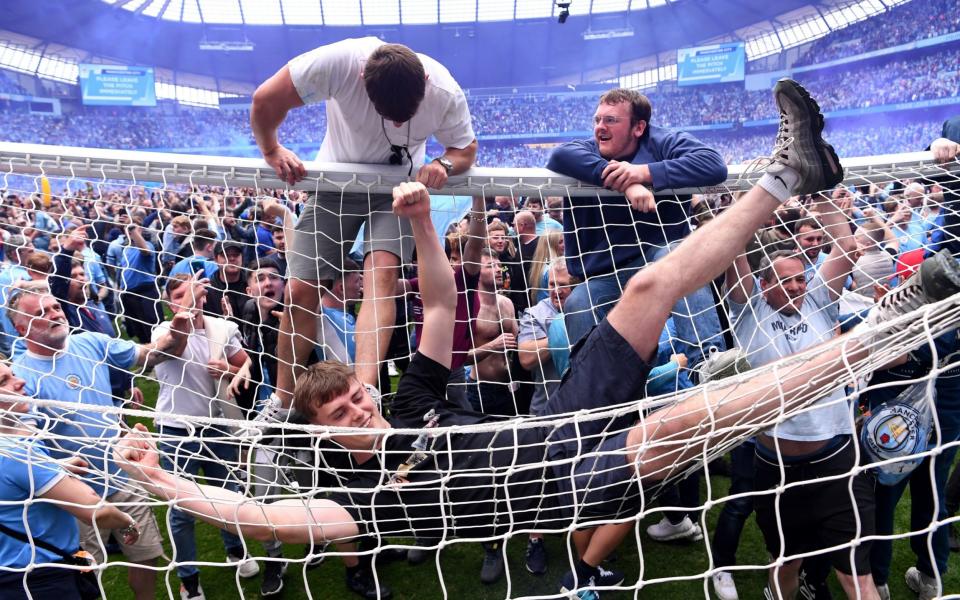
pixel 607 239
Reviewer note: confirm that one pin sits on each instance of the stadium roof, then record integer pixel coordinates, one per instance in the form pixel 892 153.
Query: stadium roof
pixel 368 12
pixel 599 42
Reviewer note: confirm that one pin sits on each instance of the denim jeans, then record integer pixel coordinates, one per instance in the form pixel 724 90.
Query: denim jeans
pixel 923 494
pixel 192 456
pixel 736 511
pixel 698 326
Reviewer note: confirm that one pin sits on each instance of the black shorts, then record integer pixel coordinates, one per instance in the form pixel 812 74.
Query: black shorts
pixel 589 456
pixel 818 514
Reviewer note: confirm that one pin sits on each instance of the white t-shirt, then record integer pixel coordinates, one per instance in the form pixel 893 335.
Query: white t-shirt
pixel 186 388
pixel 766 335
pixel 355 132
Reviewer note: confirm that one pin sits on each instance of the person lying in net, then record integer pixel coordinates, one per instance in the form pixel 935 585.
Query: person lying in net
pixel 564 472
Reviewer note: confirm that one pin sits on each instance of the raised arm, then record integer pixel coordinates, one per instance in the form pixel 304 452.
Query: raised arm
pixel 271 102
pixel 476 237
pixel 739 280
pixel 839 263
pixel 438 291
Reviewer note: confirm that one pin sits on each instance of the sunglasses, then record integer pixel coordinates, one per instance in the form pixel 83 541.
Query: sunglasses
pixel 397 152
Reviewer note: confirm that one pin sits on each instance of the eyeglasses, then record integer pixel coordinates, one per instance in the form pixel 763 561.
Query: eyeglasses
pixel 397 152
pixel 607 120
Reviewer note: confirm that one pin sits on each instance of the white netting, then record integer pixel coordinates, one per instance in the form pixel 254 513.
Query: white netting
pixel 492 482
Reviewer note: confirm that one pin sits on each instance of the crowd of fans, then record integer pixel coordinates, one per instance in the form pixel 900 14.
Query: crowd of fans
pixel 191 287
pixel 897 80
pixel 110 258
pixel 910 22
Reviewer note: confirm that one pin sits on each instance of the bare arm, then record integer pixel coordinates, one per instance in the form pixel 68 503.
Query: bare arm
pixel 273 208
pixel 836 225
pixel 271 102
pixel 135 235
pixel 79 500
pixel 438 291
pixel 739 280
pixel 476 236
pixel 462 158
pixel 170 345
pixel 890 241
pixel 534 352
pixel 289 521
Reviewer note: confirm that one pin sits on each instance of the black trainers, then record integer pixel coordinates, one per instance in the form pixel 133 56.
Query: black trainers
pixel 536 556
pixel 937 278
pixel 493 567
pixel 273 572
pixel 362 583
pixel 800 145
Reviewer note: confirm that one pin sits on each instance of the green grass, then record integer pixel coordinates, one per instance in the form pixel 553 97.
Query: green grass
pixel 459 566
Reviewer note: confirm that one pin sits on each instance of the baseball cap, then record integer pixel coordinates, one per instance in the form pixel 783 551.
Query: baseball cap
pixel 223 246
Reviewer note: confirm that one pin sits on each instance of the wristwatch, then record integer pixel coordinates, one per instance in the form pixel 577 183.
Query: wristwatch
pixel 445 163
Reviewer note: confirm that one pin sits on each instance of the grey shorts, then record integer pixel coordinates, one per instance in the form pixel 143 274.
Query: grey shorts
pixel 148 547
pixel 329 225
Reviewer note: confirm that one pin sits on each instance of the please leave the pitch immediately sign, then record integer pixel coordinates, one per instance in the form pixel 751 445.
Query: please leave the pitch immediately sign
pixel 718 63
pixel 117 85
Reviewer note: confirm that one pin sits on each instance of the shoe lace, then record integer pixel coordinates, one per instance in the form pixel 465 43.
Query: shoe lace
pixel 780 145
pixel 902 297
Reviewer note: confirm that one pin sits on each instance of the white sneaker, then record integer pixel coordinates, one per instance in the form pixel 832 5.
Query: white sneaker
pixel 246 567
pixel 884 591
pixel 198 596
pixel 925 586
pixel 724 587
pixel 665 531
pixel 392 369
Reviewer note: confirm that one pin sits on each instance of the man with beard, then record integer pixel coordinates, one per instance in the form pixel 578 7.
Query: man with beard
pixel 75 368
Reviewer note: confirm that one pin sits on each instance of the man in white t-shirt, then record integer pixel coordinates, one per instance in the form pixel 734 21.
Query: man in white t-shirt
pixel 383 101
pixel 188 388
pixel 787 315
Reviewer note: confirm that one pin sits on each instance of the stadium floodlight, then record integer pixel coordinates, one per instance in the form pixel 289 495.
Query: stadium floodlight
pixel 607 34
pixel 564 6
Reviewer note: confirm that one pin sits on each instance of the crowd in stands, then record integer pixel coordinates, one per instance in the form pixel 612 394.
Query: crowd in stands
pixel 9 86
pixel 896 80
pixel 909 22
pixel 739 146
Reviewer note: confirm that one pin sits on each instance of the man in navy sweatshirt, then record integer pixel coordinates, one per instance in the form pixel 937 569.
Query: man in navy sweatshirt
pixel 607 239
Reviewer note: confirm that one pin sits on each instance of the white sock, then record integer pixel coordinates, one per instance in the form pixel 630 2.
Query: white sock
pixel 781 184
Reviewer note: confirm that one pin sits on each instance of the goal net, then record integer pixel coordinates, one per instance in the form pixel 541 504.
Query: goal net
pixel 110 230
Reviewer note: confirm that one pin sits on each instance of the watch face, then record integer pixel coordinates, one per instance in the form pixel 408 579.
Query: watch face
pixel 446 164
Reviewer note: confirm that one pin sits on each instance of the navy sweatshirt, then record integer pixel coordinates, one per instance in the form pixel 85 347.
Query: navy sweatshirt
pixel 603 234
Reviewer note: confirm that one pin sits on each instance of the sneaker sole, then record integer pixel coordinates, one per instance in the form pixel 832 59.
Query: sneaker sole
pixel 831 168
pixel 532 572
pixel 273 593
pixel 940 276
pixel 283 571
pixel 690 535
pixel 575 595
